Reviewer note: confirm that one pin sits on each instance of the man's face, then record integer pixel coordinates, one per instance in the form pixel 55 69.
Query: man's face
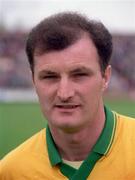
pixel 70 85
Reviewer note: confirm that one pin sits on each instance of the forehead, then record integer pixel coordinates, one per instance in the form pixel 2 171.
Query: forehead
pixel 82 53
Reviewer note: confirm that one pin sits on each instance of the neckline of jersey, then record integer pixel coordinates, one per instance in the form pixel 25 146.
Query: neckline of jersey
pixel 101 148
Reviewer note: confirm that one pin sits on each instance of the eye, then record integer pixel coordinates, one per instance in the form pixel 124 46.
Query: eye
pixel 80 74
pixel 48 77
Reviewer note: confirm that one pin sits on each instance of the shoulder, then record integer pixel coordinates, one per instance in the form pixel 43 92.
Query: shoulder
pixel 125 128
pixel 124 120
pixel 123 146
pixel 30 144
pixel 28 150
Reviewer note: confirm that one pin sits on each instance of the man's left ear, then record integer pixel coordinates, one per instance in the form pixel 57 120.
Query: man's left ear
pixel 107 76
pixel 32 77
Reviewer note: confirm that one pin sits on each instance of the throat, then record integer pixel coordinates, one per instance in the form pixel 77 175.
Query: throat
pixel 75 147
pixel 74 164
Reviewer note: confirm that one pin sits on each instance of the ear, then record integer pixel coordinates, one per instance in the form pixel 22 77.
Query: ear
pixel 106 77
pixel 32 77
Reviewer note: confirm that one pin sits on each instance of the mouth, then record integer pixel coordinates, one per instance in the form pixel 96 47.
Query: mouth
pixel 67 106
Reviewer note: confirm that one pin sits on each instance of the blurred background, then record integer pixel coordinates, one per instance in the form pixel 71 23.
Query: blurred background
pixel 20 115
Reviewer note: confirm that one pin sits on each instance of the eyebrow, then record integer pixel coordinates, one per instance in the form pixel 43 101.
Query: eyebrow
pixel 72 71
pixel 81 69
pixel 47 72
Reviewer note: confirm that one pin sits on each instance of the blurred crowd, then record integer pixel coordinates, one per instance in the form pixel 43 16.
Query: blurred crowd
pixel 123 62
pixel 15 73
pixel 14 70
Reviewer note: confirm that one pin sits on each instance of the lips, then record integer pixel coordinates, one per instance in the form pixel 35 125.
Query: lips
pixel 67 106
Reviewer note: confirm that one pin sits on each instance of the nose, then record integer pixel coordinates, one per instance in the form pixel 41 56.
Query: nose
pixel 65 89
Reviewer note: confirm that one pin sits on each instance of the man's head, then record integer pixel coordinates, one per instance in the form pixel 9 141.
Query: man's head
pixel 69 58
pixel 60 31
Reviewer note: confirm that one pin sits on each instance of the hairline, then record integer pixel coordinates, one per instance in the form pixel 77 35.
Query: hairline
pixel 82 35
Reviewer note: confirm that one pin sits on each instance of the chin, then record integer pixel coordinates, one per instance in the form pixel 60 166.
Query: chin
pixel 67 125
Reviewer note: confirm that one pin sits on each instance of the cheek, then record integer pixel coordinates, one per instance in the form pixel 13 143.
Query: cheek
pixel 92 98
pixel 92 90
pixel 45 94
pixel 93 86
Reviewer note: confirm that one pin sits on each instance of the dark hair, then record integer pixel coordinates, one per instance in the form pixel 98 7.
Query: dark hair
pixel 62 30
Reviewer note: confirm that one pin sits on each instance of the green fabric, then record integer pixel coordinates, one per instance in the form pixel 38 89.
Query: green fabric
pixel 67 170
pixel 101 148
pixel 52 150
pixel 105 140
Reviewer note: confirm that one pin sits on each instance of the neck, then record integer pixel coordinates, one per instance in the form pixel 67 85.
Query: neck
pixel 77 145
